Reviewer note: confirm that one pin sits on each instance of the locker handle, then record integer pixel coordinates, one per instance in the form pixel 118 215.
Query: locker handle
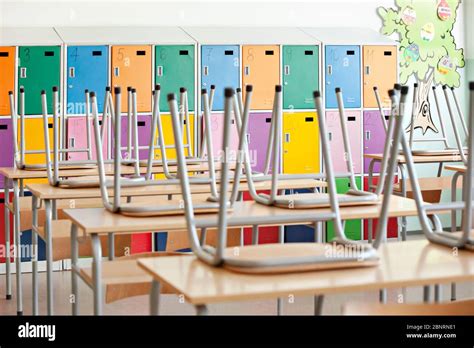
pixel 72 72
pixel 329 69
pixel 330 136
pixel 50 125
pixel 141 123
pixel 367 70
pixel 206 70
pixel 23 73
pixel 268 120
pixel 367 135
pixel 248 138
pixel 116 71
pixel 287 137
pixel 247 70
pixel 160 70
pixel 387 117
pixel 287 70
pixel 72 142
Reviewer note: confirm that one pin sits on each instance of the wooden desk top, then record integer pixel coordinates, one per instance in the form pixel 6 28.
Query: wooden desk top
pixel 461 168
pixel 46 191
pixel 99 220
pixel 402 264
pixel 420 159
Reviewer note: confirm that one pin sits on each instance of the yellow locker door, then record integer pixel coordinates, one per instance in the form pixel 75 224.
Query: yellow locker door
pixel 169 136
pixel 261 68
pixel 132 66
pixel 301 153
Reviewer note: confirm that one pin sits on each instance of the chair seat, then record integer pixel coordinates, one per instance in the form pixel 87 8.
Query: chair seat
pixel 299 257
pixel 321 200
pixel 123 278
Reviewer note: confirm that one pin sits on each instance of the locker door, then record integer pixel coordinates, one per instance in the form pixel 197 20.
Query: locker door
pixel 380 69
pixel 6 144
pixel 87 68
pixel 261 68
pixel 220 66
pixel 76 138
pixel 169 137
pixel 300 76
pixel 217 131
pixel 7 77
pixel 34 140
pixel 392 225
pixel 258 132
pixel 343 70
pixel 300 143
pixel 374 137
pixel 132 66
pixel 2 225
pixel 144 129
pixel 353 228
pixel 354 126
pixel 38 69
pixel 174 68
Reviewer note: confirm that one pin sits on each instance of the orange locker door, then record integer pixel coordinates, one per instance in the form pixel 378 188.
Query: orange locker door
pixel 7 77
pixel 261 68
pixel 132 66
pixel 380 69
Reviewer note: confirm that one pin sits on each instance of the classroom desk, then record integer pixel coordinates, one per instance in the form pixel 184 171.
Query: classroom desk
pixel 94 222
pixel 402 264
pixel 17 176
pixel 401 164
pixel 51 196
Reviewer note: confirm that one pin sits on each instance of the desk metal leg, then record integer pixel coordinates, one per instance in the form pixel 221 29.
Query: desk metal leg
pixel 8 271
pixel 111 246
pixel 438 293
pixel 254 234
pixel 74 276
pixel 318 304
pixel 454 185
pixel 279 306
pixel 49 253
pixel 202 310
pixel 17 235
pixel 155 297
pixel 97 274
pixel 453 291
pixel 426 293
pixel 383 296
pixel 34 255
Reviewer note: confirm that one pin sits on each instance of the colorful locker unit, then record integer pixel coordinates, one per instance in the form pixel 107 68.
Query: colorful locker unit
pixel 39 68
pixel 132 66
pixel 354 129
pixel 353 228
pixel 300 76
pixel 7 77
pixel 6 144
pixel 301 154
pixel 77 138
pixel 257 139
pixel 374 136
pixel 175 68
pixel 380 70
pixel 261 68
pixel 220 66
pixel 87 68
pixel 343 71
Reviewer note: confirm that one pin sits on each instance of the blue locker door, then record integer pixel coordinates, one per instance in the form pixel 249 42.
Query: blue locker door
pixel 220 66
pixel 87 68
pixel 343 70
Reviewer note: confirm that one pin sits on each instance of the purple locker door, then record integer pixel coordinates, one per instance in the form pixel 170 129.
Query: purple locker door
pixel 217 133
pixel 76 138
pixel 374 137
pixel 6 143
pixel 144 129
pixel 258 132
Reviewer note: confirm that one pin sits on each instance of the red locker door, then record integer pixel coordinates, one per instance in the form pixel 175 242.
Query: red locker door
pixel 266 235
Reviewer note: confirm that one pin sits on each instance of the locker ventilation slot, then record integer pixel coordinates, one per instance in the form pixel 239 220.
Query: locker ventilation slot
pixel 387 53
pixel 141 123
pixel 268 120
pixel 141 53
pixel 351 118
pixel 3 54
pixel 183 52
pixel 49 54
pixel 350 53
pixel 309 119
pixel 229 52
pixel 50 125
pixel 269 53
pixel 308 53
pixel 3 126
pixel 96 53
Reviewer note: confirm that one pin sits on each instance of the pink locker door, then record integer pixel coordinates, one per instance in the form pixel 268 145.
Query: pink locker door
pixel 374 137
pixel 257 137
pixel 77 138
pixel 217 131
pixel 354 128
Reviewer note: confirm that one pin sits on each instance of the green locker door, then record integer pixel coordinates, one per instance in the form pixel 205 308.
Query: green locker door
pixel 300 76
pixel 39 67
pixel 174 68
pixel 353 228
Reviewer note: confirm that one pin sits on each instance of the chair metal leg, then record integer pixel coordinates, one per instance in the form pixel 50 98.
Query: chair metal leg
pixel 74 276
pixel 34 256
pixel 49 254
